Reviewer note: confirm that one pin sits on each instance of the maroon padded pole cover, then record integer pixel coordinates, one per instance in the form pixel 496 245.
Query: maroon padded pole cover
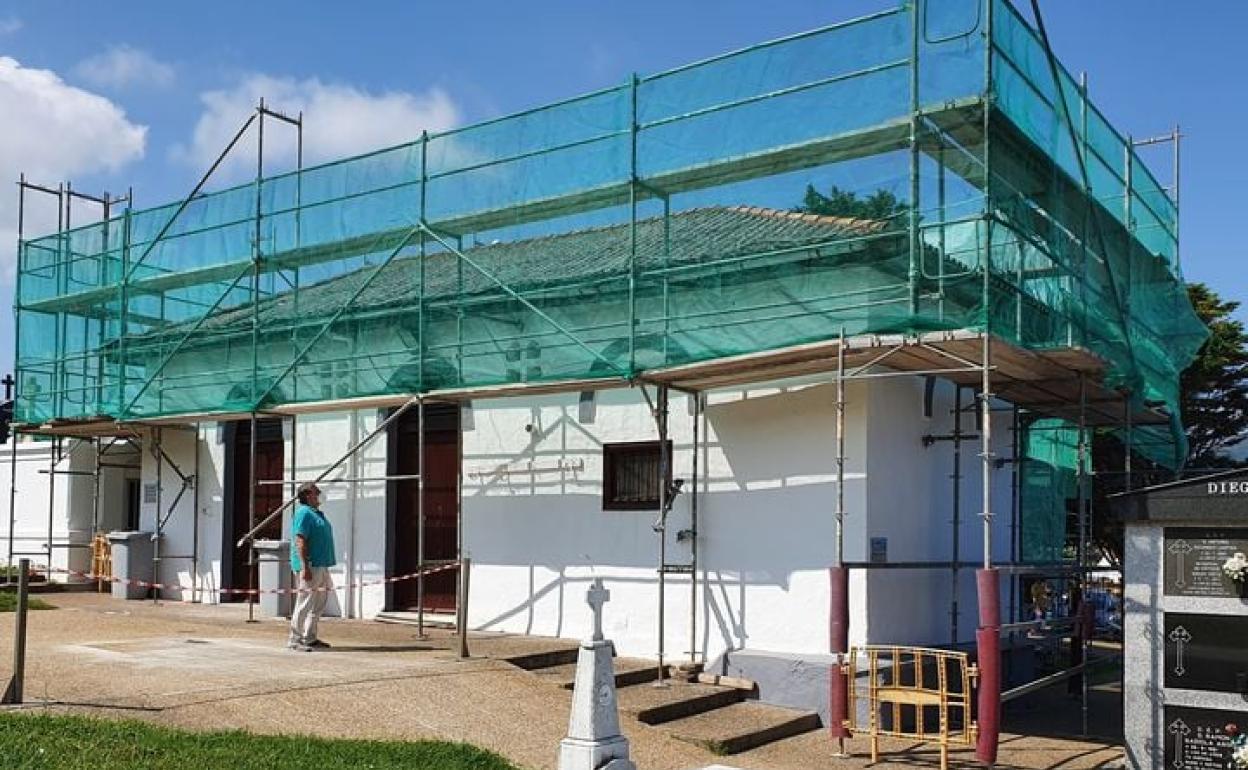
pixel 988 646
pixel 839 628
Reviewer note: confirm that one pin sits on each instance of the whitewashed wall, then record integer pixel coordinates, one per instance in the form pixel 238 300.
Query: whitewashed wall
pixel 213 532
pixel 768 533
pixel 357 511
pixel 177 544
pixel 30 530
pixel 536 531
pixel 535 527
pixel 72 503
pixel 910 502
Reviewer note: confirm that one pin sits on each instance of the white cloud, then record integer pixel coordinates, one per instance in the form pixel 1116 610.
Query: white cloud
pixel 122 66
pixel 339 120
pixel 10 25
pixel 53 132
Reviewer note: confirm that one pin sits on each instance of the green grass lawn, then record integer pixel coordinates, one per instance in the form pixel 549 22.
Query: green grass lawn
pixel 37 741
pixel 9 574
pixel 8 602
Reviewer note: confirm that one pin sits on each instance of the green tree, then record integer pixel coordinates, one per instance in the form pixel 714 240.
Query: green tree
pixel 880 205
pixel 1215 386
pixel 1213 406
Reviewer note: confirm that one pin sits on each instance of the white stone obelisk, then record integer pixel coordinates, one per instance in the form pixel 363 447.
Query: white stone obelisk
pixel 594 741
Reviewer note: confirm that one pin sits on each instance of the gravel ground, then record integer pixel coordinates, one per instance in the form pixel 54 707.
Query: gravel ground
pixel 204 667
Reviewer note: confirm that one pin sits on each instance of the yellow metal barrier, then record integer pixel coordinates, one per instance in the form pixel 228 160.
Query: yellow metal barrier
pixel 904 691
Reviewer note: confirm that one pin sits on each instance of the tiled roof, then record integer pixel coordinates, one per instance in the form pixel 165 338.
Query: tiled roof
pixel 694 236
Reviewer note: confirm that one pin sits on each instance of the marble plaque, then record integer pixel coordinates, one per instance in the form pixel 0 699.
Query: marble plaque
pixel 1196 739
pixel 1194 558
pixel 1207 652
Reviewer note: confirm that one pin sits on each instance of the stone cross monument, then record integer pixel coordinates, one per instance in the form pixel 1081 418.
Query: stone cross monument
pixel 594 741
pixel 596 597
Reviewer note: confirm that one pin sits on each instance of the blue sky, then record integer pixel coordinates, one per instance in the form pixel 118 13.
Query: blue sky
pixel 166 78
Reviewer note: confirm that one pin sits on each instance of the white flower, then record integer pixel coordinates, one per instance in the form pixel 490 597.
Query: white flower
pixel 1236 568
pixel 1240 756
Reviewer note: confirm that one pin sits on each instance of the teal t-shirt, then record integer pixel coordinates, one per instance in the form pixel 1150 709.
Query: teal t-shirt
pixel 317 530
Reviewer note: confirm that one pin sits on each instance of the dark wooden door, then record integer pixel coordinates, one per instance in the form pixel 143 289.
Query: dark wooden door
pixel 270 465
pixel 441 479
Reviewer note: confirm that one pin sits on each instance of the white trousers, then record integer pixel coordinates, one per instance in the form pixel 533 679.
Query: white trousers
pixel 309 605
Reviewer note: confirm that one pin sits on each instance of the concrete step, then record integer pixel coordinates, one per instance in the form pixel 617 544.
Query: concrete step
pixel 544 659
pixel 628 671
pixel 742 726
pixel 406 618
pixel 656 705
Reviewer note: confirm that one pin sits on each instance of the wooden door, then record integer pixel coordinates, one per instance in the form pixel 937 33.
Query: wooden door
pixel 270 465
pixel 441 480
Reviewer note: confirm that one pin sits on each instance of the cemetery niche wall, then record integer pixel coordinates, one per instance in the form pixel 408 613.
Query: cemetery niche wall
pixel 1185 621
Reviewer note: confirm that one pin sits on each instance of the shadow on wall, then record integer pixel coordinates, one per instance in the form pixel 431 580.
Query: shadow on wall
pixel 557 586
pixel 765 504
pixel 722 613
pixel 765 515
pixel 722 603
pixel 766 533
pixel 564 472
pixel 766 444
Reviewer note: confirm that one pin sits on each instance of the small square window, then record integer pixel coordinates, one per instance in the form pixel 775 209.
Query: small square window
pixel 630 479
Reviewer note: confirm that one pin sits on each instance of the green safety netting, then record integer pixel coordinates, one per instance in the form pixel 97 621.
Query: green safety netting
pixel 658 222
pixel 1048 467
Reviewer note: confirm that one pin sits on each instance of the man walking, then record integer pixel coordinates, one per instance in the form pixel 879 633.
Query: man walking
pixel 310 559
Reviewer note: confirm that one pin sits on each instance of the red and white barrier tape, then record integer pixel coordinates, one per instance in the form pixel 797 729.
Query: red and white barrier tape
pixel 246 591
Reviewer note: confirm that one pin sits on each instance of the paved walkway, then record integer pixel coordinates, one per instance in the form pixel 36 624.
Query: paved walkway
pixel 204 667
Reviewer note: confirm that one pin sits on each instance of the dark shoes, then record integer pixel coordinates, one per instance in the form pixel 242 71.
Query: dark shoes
pixel 315 644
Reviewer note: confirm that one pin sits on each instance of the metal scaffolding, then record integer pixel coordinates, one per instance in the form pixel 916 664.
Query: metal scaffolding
pixel 1015 284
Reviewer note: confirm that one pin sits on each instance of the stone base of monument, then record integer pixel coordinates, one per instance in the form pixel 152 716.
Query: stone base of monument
pixel 595 755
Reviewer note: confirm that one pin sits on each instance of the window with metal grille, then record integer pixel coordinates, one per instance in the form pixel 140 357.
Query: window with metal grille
pixel 630 479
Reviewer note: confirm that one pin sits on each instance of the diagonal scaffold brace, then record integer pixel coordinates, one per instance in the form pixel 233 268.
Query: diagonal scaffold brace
pixel 378 431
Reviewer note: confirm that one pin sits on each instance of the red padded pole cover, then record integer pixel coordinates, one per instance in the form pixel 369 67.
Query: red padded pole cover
pixel 988 646
pixel 839 629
